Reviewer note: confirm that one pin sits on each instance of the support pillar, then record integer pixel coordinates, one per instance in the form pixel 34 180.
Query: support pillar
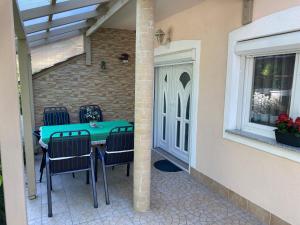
pixel 10 138
pixel 144 80
pixel 27 112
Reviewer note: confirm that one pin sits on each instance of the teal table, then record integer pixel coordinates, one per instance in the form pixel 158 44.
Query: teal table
pixel 98 134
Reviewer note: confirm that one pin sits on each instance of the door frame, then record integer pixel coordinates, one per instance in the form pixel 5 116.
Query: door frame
pixel 175 53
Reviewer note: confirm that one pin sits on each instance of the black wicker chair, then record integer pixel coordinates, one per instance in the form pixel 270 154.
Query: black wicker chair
pixel 82 112
pixel 51 116
pixel 118 151
pixel 56 116
pixel 69 152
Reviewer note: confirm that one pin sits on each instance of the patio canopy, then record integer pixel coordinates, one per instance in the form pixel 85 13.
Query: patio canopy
pixel 47 21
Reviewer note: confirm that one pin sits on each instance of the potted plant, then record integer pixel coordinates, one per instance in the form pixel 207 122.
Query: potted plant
pixel 288 131
pixel 92 116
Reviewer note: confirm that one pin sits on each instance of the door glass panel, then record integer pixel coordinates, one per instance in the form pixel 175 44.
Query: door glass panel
pixel 187 114
pixel 272 87
pixel 164 128
pixel 165 103
pixel 178 134
pixel 179 107
pixel 186 137
pixel 184 79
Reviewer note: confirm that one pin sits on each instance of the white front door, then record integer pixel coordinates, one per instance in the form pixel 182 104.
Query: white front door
pixel 173 104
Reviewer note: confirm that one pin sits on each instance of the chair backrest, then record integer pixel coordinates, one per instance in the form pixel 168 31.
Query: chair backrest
pixel 120 145
pixel 83 109
pixel 69 151
pixel 56 116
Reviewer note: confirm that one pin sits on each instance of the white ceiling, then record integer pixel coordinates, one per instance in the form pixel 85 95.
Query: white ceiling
pixel 125 18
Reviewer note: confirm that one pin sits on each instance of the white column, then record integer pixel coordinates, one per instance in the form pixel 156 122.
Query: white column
pixel 27 111
pixel 10 137
pixel 144 79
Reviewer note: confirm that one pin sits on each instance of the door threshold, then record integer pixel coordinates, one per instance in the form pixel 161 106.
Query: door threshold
pixel 181 164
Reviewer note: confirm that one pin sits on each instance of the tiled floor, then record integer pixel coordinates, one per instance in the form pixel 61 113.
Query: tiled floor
pixel 176 199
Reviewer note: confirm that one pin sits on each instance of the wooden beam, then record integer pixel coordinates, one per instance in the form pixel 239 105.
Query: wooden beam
pixel 59 31
pixel 27 111
pixel 55 38
pixel 59 22
pixel 11 152
pixel 247 11
pixel 114 7
pixel 19 27
pixel 87 50
pixel 53 2
pixel 58 8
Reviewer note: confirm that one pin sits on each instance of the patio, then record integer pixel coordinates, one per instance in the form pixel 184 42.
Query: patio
pixel 176 198
pixel 176 71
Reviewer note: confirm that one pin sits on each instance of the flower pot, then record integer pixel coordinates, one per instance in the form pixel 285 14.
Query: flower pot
pixel 287 139
pixel 93 124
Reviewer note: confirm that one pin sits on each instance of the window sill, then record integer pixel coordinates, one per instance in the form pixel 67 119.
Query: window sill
pixel 265 144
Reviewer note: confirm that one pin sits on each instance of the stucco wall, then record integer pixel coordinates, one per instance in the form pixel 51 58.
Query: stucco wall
pixel 73 84
pixel 266 7
pixel 269 181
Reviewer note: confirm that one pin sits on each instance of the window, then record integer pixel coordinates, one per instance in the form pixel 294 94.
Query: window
pixel 268 84
pixel 263 69
pixel 271 88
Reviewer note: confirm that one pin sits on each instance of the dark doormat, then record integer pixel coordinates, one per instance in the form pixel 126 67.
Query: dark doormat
pixel 166 166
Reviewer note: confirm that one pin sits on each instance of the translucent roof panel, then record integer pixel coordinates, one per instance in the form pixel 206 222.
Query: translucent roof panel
pixel 29 4
pixel 74 12
pixel 67 25
pixel 36 21
pixel 39 32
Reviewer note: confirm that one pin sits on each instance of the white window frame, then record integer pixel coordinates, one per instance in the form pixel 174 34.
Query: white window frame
pixel 246 95
pixel 278 33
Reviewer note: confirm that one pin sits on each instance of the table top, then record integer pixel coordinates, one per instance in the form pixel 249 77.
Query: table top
pixel 98 134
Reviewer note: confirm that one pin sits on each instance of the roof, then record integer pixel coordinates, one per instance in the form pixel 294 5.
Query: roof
pixel 47 21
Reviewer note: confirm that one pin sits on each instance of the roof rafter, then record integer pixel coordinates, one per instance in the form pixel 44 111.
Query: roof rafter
pixel 57 8
pixel 19 26
pixel 59 31
pixel 53 2
pixel 113 8
pixel 56 38
pixel 59 22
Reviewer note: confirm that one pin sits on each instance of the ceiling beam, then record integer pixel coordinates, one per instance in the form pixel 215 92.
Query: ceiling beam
pixel 57 8
pixel 114 7
pixel 56 38
pixel 19 26
pixel 59 31
pixel 59 22
pixel 247 11
pixel 53 2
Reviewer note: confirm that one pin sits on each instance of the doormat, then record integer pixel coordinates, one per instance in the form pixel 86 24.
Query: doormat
pixel 166 166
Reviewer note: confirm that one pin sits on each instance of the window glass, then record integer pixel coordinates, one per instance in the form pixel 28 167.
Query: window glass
pixel 184 79
pixel 178 106
pixel 271 88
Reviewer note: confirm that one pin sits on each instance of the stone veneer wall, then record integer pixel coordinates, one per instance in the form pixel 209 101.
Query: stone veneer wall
pixel 72 83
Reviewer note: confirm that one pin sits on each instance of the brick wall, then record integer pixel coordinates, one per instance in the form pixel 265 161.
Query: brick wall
pixel 72 83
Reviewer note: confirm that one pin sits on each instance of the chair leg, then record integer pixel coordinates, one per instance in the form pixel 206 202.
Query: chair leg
pixel 87 177
pixel 105 182
pixel 43 164
pixel 94 184
pixel 96 168
pixel 49 191
pixel 73 175
pixel 50 183
pixel 128 169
